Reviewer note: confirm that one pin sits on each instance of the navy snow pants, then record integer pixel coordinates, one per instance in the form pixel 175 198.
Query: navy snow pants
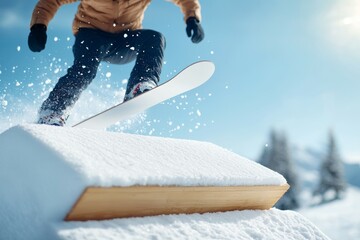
pixel 93 46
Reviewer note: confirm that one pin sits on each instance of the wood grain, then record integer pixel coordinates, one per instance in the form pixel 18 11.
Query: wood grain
pixel 138 201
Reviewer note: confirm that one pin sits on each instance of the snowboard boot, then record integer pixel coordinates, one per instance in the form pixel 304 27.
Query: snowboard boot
pixel 53 119
pixel 139 88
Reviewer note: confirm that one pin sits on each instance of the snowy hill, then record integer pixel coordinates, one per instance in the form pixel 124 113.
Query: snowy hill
pixel 338 219
pixel 43 170
pixel 308 162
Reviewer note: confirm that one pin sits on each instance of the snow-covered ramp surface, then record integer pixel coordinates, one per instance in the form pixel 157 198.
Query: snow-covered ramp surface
pixel 116 159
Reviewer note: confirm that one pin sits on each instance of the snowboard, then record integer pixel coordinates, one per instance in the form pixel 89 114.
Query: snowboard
pixel 189 78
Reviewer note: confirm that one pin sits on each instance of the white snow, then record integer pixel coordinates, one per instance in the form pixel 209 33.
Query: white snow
pixel 124 81
pixel 44 169
pixel 338 219
pixel 4 103
pixel 118 159
pixel 243 225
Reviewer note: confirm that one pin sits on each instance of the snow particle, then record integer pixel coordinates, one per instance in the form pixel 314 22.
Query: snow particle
pixel 108 74
pixel 4 103
pixel 18 48
pixel 56 39
pixel 125 35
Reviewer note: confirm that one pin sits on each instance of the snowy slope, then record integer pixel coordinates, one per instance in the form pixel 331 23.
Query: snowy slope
pixel 307 162
pixel 43 170
pixel 339 219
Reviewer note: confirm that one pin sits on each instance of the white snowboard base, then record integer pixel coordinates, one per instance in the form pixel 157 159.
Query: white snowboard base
pixel 188 79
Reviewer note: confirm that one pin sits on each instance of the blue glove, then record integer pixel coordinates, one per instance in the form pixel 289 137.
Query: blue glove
pixel 194 30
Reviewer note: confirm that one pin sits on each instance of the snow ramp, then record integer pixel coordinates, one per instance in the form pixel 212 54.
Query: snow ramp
pixel 48 174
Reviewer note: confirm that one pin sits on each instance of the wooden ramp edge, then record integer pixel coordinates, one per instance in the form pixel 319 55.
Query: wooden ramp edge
pixel 138 201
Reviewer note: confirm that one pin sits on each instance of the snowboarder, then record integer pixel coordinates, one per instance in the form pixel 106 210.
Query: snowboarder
pixel 111 31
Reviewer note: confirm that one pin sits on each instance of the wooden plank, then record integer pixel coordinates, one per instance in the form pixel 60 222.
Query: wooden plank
pixel 138 201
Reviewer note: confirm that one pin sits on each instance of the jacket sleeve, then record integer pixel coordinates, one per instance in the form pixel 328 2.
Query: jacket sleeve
pixel 45 10
pixel 190 8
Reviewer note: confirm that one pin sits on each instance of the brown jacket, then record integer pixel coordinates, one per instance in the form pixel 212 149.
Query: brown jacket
pixel 107 15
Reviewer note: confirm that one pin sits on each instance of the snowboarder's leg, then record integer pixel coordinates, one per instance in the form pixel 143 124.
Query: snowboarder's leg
pixel 88 50
pixel 145 75
pixel 147 47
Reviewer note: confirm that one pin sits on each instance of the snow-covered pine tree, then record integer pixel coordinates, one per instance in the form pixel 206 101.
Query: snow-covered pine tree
pixel 276 156
pixel 332 183
pixel 291 199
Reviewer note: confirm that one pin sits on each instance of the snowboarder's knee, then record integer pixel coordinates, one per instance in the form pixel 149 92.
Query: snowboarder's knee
pixel 157 38
pixel 82 71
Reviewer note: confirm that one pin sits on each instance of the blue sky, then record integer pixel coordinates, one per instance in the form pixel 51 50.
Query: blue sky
pixel 288 65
